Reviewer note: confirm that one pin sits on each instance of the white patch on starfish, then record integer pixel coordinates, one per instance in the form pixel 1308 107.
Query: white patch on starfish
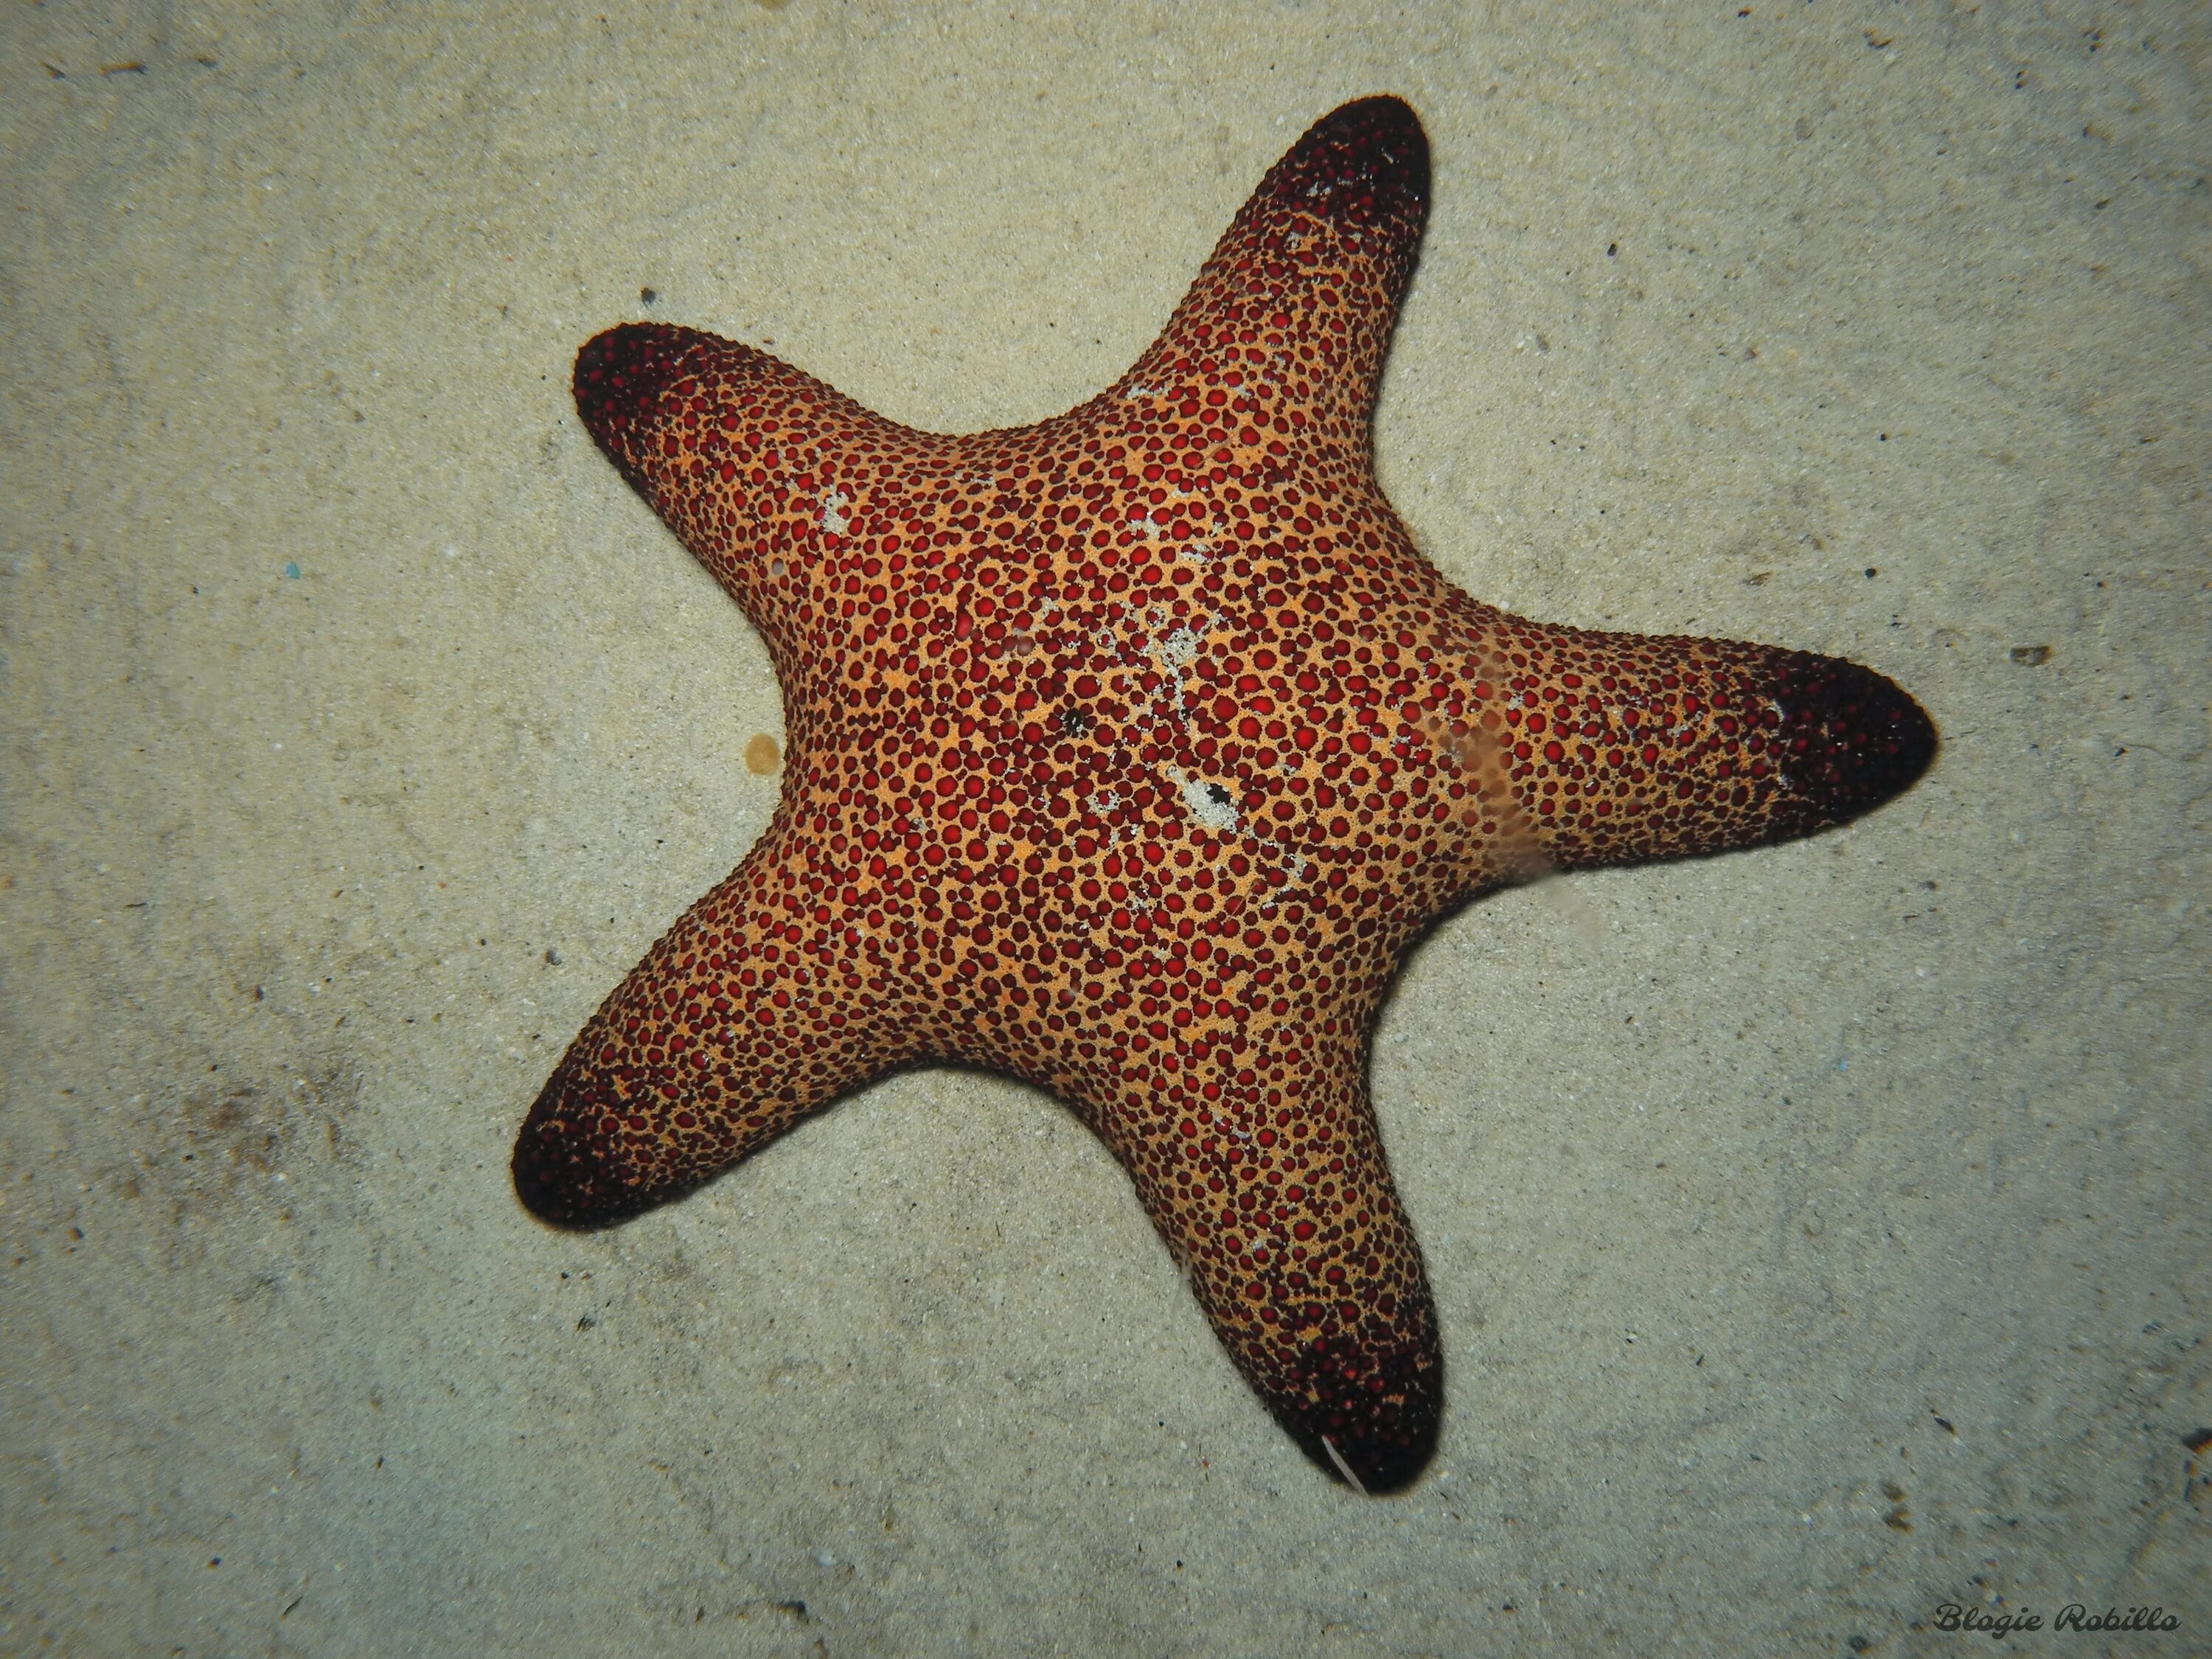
pixel 1208 803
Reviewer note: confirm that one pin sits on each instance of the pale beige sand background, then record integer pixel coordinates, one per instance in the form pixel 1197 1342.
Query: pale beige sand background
pixel 1767 1200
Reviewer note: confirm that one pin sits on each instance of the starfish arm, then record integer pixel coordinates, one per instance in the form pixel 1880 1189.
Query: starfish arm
pixel 1263 1168
pixel 770 476
pixel 1280 340
pixel 1585 748
pixel 757 1008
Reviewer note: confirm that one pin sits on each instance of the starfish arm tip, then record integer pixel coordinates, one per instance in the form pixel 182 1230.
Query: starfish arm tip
pixel 1378 1455
pixel 561 1172
pixel 1855 739
pixel 620 375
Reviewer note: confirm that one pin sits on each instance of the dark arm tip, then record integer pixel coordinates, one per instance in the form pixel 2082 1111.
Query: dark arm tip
pixel 1851 738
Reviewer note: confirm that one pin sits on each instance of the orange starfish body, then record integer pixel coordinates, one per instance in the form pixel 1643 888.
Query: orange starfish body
pixel 1127 751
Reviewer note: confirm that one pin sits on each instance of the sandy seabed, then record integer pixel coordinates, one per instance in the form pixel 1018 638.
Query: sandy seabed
pixel 1812 1229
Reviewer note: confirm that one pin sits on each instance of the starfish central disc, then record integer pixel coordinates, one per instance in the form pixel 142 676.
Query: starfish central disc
pixel 1127 751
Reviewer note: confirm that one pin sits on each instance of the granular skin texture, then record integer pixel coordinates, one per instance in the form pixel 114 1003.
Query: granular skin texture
pixel 1125 754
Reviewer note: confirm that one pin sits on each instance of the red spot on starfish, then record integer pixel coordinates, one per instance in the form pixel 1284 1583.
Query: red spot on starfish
pixel 1127 753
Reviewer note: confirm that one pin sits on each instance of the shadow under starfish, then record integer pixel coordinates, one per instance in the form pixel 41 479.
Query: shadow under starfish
pixel 1127 752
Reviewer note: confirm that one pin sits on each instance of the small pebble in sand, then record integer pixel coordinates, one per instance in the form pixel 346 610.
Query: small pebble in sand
pixel 761 755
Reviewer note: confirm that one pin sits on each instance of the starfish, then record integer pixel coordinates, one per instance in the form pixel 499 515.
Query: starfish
pixel 1127 752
